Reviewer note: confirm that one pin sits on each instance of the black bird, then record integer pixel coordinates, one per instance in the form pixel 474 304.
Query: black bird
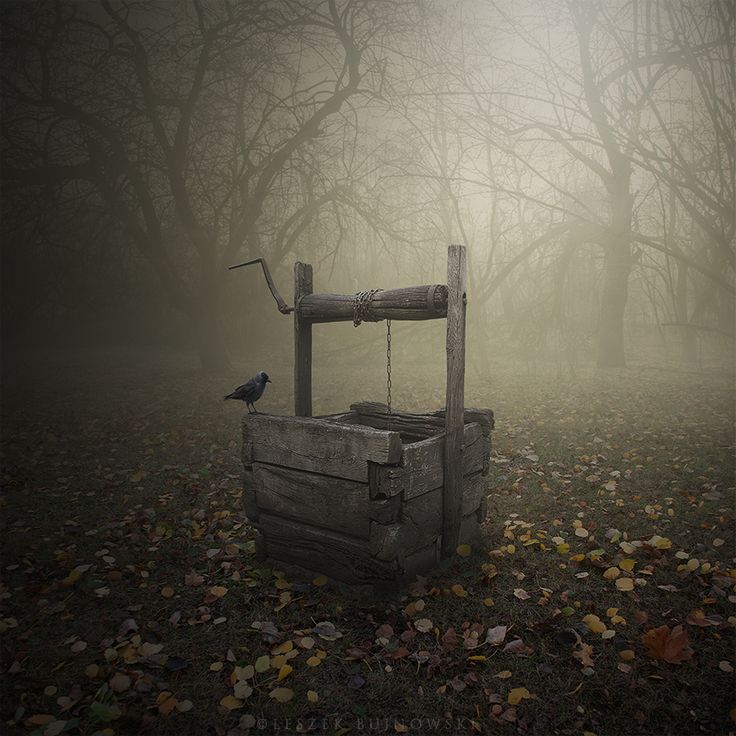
pixel 251 391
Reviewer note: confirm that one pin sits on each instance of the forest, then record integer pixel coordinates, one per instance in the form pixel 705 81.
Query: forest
pixel 583 152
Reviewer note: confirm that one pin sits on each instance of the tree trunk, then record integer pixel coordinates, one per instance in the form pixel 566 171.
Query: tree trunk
pixel 616 269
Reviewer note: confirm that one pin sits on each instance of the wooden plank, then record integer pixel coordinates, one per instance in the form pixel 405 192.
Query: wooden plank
pixel 421 517
pixel 249 496
pixel 339 556
pixel 342 450
pixel 455 398
pixel 409 303
pixel 320 500
pixel 302 343
pixel 375 414
pixel 422 465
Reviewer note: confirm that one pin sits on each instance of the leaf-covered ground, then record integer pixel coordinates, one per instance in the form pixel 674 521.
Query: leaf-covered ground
pixel 602 601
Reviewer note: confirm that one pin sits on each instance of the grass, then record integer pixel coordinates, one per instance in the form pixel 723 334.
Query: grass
pixel 129 468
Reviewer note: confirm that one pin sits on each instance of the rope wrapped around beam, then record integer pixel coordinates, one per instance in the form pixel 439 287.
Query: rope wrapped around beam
pixel 362 307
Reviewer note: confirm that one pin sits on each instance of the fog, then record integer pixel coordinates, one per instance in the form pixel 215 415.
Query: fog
pixel 583 152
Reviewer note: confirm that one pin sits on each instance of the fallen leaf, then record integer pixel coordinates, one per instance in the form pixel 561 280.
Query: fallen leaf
pixel 231 702
pixel 423 624
pixel 282 694
pixel 459 591
pixel 625 584
pixel 464 550
pixel 496 635
pixel 517 694
pixel 670 646
pixel 217 591
pixel 312 696
pixel 521 594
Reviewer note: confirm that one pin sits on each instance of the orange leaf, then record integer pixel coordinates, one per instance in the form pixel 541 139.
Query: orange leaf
pixel 670 646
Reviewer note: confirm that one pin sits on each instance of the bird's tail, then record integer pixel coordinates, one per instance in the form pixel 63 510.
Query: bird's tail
pixel 229 396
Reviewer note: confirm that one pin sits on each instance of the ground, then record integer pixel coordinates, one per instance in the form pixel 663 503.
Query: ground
pixel 601 601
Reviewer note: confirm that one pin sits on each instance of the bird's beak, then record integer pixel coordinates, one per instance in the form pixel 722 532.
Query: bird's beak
pixel 268 380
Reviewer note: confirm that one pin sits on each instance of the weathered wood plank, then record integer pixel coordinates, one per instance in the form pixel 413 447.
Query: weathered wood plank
pixel 455 398
pixel 422 465
pixel 341 557
pixel 321 500
pixel 421 517
pixel 249 496
pixel 409 303
pixel 319 446
pixel 302 343
pixel 375 414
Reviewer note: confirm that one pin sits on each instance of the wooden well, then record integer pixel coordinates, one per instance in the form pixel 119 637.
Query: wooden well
pixel 369 496
pixel 343 496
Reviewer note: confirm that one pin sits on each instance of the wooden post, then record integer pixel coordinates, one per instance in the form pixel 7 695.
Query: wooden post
pixel 452 493
pixel 302 343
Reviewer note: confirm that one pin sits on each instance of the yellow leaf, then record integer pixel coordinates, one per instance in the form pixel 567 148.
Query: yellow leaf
pixel 581 532
pixel 166 703
pixel 231 702
pixel 504 674
pixel 41 719
pixel 464 550
pixel 563 548
pixel 627 564
pixel 314 661
pixel 312 696
pixel 477 658
pixel 401 728
pixel 282 694
pixel 517 694
pixel 92 670
pixel 167 591
pixel 625 584
pixel 284 647
pixel 459 591
pixel 284 672
pixel 488 602
pixel 510 549
pixel 216 666
pixel 217 591
pixel 611 573
pixel 278 661
pixel 627 654
pixel 320 580
pixel 594 623
pixel 263 663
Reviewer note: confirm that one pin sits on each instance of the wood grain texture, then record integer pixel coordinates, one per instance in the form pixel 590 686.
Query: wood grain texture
pixel 421 517
pixel 321 500
pixel 375 414
pixel 339 556
pixel 303 286
pixel 422 465
pixel 250 506
pixel 319 446
pixel 455 398
pixel 409 303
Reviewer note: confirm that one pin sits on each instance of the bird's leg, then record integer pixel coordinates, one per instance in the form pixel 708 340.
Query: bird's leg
pixel 247 406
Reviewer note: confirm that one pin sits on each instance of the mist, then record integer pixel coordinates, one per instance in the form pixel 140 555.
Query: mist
pixel 584 154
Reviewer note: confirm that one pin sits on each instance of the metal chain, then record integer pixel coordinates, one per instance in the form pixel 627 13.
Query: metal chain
pixel 362 313
pixel 388 370
pixel 362 307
